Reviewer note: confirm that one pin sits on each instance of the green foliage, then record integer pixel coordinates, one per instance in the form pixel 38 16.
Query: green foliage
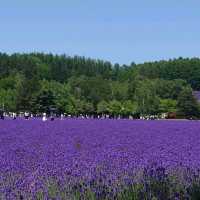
pixel 119 90
pixel 188 105
pixel 185 69
pixel 194 191
pixel 131 192
pixel 167 105
pixel 115 107
pixel 7 83
pixel 44 101
pixel 7 99
pixel 102 107
pixel 26 90
pixel 129 108
pixel 93 89
pixel 78 85
pixel 169 89
pixel 145 94
pixel 40 195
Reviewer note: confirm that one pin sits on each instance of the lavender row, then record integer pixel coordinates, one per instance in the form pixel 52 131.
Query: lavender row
pixel 73 151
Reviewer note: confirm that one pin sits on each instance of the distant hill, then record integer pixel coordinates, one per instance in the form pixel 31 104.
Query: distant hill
pixel 62 67
pixel 38 82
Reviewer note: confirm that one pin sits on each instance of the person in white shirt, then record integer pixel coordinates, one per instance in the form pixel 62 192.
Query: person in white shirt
pixel 61 116
pixel 14 115
pixel 26 115
pixel 44 118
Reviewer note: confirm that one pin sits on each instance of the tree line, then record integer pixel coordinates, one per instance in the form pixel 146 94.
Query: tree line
pixel 38 82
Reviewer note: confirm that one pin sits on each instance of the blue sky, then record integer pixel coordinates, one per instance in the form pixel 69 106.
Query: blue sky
pixel 122 31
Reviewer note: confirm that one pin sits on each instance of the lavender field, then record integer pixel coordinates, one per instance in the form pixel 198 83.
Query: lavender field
pixel 52 160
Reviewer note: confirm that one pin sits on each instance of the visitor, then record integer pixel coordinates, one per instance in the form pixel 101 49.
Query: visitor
pixel 52 117
pixel 61 116
pixel 26 115
pixel 14 116
pixel 2 114
pixel 44 118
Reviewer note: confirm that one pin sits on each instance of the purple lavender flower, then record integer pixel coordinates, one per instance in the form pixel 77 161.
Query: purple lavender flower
pixel 107 152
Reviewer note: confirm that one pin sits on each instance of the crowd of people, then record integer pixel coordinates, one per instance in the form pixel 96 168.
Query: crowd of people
pixel 27 115
pixel 52 116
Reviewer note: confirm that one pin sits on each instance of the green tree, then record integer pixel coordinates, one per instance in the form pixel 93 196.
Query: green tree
pixel 27 86
pixel 7 99
pixel 102 107
pixel 58 94
pixel 128 108
pixel 44 101
pixel 119 90
pixel 88 108
pixel 115 107
pixel 167 105
pixel 187 104
pixel 146 97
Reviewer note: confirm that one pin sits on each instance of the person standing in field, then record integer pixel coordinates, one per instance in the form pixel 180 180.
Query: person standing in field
pixel 26 115
pixel 1 114
pixel 44 118
pixel 14 116
pixel 61 116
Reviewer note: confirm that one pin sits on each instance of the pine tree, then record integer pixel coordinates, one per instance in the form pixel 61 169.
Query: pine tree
pixel 187 104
